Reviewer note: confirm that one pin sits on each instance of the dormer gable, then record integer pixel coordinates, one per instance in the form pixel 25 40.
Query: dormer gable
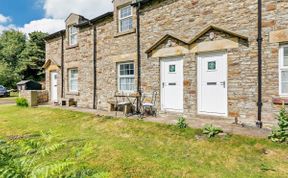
pixel 74 19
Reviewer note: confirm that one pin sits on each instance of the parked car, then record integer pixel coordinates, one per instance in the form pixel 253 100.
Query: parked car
pixel 3 91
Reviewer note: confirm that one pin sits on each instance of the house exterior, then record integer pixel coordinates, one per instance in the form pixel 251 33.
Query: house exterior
pixel 199 55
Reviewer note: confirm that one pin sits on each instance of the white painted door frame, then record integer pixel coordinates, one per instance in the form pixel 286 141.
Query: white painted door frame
pixel 224 111
pixel 171 84
pixel 53 87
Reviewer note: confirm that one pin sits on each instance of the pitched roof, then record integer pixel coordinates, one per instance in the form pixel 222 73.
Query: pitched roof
pixel 25 81
pixel 165 37
pixel 95 20
pixel 48 62
pixel 196 37
pixel 55 35
pixel 82 17
pixel 82 24
pixel 213 27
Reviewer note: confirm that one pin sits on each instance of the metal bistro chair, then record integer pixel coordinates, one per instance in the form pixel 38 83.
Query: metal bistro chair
pixel 148 104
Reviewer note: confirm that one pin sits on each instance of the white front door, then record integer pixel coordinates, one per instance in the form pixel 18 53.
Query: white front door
pixel 212 84
pixel 172 84
pixel 53 92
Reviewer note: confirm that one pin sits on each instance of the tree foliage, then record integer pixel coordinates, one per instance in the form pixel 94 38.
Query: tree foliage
pixel 12 43
pixel 21 57
pixel 32 57
pixel 8 76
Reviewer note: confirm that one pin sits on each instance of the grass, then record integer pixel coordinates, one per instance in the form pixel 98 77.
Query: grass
pixel 132 148
pixel 14 94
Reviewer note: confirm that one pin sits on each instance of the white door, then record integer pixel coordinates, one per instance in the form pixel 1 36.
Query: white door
pixel 172 84
pixel 212 84
pixel 53 92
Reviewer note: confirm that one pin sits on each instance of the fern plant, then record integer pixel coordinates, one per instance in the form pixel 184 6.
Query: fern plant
pixel 281 133
pixel 22 158
pixel 211 131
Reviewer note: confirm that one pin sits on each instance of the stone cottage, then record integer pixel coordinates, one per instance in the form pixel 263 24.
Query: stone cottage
pixel 199 55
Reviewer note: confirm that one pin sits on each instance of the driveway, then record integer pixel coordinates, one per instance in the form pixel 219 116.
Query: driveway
pixel 5 101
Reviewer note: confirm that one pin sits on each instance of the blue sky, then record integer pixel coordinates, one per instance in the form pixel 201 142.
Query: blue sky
pixel 46 15
pixel 22 11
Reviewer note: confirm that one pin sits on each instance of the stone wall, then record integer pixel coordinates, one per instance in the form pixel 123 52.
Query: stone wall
pixel 42 97
pixel 34 97
pixel 53 52
pixel 184 19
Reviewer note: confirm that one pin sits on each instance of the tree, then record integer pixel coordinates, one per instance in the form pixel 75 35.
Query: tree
pixel 12 43
pixel 32 57
pixel 8 77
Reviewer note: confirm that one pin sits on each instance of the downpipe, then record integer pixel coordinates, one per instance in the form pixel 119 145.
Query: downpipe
pixel 259 122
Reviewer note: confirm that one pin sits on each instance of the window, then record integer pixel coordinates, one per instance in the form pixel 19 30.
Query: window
pixel 172 68
pixel 125 19
pixel 283 70
pixel 73 80
pixel 73 37
pixel 211 65
pixel 126 77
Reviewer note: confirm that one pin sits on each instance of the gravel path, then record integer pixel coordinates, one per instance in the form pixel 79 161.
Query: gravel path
pixel 5 101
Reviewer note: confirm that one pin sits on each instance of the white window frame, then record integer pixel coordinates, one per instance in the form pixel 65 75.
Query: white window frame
pixel 120 19
pixel 282 68
pixel 71 34
pixel 125 76
pixel 70 80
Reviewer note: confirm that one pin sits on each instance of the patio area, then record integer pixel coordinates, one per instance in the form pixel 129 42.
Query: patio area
pixel 227 125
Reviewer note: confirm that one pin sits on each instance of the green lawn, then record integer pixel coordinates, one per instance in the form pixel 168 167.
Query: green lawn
pixel 133 148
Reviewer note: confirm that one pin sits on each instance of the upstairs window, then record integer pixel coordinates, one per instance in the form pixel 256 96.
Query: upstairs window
pixel 73 80
pixel 125 19
pixel 283 71
pixel 73 36
pixel 126 77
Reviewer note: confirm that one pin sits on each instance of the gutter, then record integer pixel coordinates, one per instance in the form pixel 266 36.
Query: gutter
pixel 54 35
pixel 139 2
pixel 95 20
pixel 259 122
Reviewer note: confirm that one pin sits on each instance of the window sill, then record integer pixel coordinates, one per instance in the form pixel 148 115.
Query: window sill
pixel 76 93
pixel 127 94
pixel 280 100
pixel 73 46
pixel 133 30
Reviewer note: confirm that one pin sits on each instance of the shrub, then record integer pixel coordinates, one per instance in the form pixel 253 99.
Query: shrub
pixel 211 131
pixel 22 102
pixel 181 123
pixel 281 134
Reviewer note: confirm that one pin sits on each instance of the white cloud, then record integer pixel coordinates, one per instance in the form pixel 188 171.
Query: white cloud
pixel 88 8
pixel 6 27
pixel 43 25
pixel 56 11
pixel 4 19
